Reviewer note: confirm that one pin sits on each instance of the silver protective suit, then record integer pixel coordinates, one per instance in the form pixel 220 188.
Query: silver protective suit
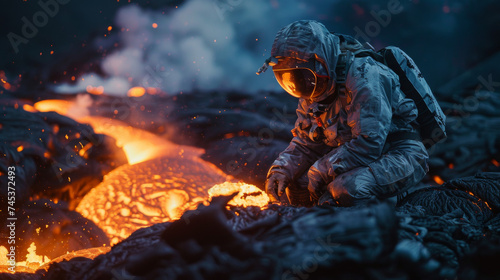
pixel 354 159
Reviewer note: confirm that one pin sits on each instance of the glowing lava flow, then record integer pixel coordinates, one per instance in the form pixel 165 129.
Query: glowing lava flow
pixel 161 181
pixel 150 192
pixel 248 195
pixel 138 145
pixel 33 261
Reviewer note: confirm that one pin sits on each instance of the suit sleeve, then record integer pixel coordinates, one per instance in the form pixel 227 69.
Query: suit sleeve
pixel 302 152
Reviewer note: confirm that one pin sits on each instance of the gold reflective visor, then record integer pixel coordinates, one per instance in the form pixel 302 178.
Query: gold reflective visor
pixel 298 82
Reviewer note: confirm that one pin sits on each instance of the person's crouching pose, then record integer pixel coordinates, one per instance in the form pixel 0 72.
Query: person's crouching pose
pixel 356 137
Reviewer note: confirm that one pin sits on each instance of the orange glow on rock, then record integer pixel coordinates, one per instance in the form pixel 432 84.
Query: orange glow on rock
pixel 58 106
pixel 95 90
pixel 438 180
pixel 35 262
pixel 151 90
pixel 29 108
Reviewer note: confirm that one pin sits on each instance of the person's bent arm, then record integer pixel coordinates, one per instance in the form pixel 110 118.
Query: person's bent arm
pixel 369 116
pixel 297 158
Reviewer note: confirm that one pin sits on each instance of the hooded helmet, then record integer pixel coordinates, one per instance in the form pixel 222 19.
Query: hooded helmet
pixel 304 56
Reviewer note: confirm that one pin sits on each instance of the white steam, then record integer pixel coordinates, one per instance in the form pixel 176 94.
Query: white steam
pixel 203 44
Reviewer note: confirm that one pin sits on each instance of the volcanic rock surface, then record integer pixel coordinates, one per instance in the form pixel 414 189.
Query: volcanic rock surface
pixel 375 241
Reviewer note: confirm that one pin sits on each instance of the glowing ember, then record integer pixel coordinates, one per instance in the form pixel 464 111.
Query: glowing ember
pixel 136 92
pixel 486 203
pixel 438 180
pixel 248 195
pixel 3 81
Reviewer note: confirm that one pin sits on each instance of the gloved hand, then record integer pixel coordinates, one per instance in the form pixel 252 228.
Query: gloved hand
pixel 320 175
pixel 276 184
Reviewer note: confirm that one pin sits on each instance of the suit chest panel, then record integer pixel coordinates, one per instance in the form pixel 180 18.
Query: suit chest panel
pixel 335 128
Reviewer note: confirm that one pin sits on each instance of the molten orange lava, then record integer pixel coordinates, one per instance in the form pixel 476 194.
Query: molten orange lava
pixel 161 181
pixel 138 145
pixel 155 191
pixel 29 108
pixel 59 106
pixel 248 195
pixel 33 261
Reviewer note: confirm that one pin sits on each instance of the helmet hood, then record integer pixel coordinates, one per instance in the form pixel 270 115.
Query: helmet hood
pixel 305 40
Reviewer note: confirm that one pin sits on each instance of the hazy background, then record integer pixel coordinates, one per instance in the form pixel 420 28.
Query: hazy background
pixel 219 44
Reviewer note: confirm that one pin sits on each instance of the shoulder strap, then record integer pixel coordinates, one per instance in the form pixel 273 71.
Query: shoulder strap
pixel 343 64
pixel 377 56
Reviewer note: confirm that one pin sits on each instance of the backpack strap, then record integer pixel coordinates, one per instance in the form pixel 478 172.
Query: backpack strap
pixel 403 135
pixel 377 56
pixel 343 64
pixel 341 69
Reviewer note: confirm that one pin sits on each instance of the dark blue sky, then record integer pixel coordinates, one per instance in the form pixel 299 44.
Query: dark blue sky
pixel 443 37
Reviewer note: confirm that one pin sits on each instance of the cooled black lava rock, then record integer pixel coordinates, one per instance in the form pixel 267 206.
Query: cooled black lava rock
pixel 484 186
pixel 374 241
pixel 53 155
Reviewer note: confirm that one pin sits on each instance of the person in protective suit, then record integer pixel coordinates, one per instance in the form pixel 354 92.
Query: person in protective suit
pixel 349 145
